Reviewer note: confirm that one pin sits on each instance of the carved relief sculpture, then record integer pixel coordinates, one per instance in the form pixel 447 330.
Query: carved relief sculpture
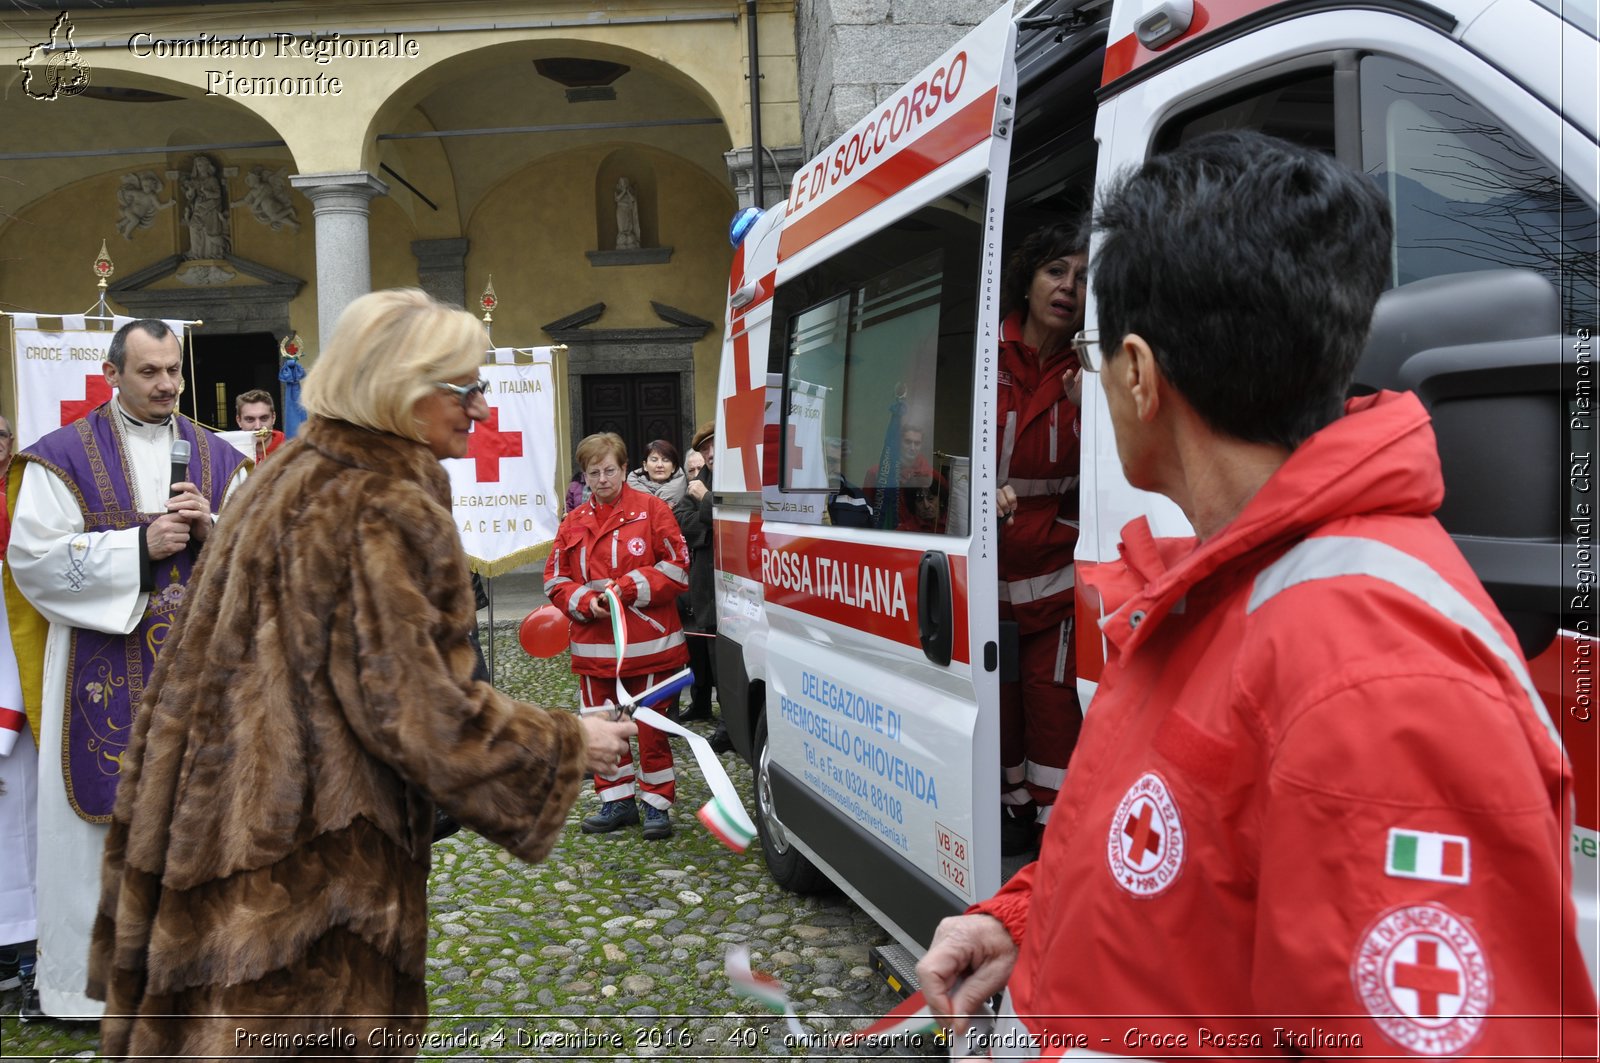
pixel 205 211
pixel 138 202
pixel 627 215
pixel 269 200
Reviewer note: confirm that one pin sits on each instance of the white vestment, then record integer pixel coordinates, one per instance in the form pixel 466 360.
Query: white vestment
pixel 46 525
pixel 19 812
pixel 19 841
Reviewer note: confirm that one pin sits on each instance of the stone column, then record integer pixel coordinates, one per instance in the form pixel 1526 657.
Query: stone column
pixel 442 268
pixel 340 206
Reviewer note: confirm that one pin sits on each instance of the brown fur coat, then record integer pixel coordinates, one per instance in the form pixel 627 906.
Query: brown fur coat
pixel 269 850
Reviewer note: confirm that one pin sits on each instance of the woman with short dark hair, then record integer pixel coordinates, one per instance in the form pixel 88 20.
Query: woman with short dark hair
pixel 625 542
pixel 1042 298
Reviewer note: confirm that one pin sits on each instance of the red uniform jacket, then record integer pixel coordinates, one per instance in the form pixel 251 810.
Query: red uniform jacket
pixel 1309 811
pixel 1039 459
pixel 636 547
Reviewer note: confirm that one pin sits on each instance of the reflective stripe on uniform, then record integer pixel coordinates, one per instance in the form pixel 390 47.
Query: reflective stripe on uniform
pixel 672 572
pixel 1060 675
pixel 1046 776
pixel 1008 443
pixel 643 597
pixel 1327 557
pixel 664 775
pixel 575 605
pixel 1037 588
pixel 1026 488
pixel 635 649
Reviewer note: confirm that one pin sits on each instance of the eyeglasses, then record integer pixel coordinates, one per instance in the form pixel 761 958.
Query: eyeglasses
pixel 1086 345
pixel 610 472
pixel 465 392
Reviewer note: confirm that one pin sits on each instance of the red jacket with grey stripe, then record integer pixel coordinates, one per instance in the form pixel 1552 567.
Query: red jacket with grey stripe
pixel 1039 459
pixel 635 546
pixel 1309 811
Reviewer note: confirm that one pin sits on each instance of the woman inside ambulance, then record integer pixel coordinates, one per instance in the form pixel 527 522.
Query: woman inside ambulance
pixel 1040 383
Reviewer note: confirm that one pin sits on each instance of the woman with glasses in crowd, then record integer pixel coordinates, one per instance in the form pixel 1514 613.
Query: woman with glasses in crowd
pixel 622 549
pixel 1042 294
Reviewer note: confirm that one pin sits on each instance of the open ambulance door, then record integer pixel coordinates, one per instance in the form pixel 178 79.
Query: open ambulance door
pixel 878 752
pixel 1491 177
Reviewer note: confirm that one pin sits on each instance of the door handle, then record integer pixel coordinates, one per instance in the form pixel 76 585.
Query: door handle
pixel 935 623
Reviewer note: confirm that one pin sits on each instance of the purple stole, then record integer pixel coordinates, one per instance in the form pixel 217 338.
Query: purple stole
pixel 106 674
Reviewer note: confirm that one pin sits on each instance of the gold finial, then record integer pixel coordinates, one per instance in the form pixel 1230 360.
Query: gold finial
pixel 289 346
pixel 103 267
pixel 488 300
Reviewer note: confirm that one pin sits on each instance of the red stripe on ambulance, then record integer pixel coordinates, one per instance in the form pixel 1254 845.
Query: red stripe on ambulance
pixel 970 126
pixel 1126 54
pixel 868 588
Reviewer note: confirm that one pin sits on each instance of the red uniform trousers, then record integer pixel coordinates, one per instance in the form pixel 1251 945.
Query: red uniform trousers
pixel 657 781
pixel 1039 718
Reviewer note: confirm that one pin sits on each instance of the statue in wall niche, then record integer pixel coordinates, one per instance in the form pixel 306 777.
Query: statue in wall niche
pixel 268 198
pixel 627 215
pixel 138 202
pixel 205 210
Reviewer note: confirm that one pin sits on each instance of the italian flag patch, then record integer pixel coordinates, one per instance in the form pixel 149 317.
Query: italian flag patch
pixel 1433 857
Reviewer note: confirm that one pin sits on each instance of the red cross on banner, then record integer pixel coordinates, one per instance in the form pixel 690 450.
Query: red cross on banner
pixel 95 392
pixel 796 455
pixel 488 445
pixel 1427 979
pixel 1145 838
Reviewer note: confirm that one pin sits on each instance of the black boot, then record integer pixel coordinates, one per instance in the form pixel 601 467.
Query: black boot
pixel 720 742
pixel 1019 834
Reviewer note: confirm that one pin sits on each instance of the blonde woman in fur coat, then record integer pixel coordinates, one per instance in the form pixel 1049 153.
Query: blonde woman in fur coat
pixel 266 869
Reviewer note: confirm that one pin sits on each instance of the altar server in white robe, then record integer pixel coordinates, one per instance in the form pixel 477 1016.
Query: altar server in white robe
pixel 102 542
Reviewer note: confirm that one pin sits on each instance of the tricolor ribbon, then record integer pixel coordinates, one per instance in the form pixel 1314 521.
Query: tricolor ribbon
pixel 911 1016
pixel 724 815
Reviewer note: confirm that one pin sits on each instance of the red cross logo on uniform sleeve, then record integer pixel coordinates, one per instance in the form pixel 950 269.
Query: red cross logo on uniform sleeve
pixel 488 444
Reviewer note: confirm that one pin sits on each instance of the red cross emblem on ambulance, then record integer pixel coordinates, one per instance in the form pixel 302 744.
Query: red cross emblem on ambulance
pixel 1145 842
pixel 1421 973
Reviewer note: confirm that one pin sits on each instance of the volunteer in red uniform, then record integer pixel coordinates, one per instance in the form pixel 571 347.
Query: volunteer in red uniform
pixel 1042 294
pixel 1320 810
pixel 629 542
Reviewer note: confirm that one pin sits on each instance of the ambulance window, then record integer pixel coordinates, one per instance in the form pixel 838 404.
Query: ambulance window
pixel 1298 108
pixel 1465 193
pixel 877 361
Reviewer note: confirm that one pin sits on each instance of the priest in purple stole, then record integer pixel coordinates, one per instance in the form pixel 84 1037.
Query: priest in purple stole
pixel 102 544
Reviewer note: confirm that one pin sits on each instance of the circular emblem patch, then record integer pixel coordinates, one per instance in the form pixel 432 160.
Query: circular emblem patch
pixel 1421 973
pixel 1145 845
pixel 636 546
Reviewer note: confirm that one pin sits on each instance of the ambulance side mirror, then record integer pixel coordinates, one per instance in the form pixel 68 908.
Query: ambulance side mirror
pixel 1484 351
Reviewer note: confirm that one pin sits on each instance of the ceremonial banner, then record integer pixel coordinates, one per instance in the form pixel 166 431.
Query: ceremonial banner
pixel 503 492
pixel 57 359
pixel 808 413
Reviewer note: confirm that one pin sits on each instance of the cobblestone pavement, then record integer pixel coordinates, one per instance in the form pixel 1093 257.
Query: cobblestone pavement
pixel 612 948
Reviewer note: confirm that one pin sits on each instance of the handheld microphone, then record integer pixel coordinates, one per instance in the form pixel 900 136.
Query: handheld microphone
pixel 180 462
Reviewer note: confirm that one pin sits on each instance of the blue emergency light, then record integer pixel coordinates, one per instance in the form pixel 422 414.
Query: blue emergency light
pixel 742 223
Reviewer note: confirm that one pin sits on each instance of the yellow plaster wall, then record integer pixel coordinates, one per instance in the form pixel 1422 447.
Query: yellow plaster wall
pixel 531 233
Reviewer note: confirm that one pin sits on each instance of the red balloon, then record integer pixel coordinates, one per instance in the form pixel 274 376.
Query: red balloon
pixel 544 632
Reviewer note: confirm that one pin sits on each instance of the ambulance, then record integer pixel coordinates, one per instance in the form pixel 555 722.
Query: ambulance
pixel 859 665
